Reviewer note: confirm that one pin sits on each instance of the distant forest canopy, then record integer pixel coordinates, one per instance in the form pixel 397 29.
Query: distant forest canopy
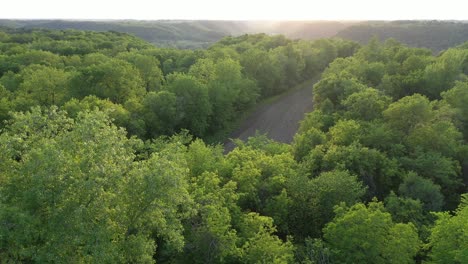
pixel 190 34
pixel 193 34
pixel 435 35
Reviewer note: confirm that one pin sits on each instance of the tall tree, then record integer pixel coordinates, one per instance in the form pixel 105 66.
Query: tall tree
pixel 449 236
pixel 192 102
pixel 78 181
pixel 114 79
pixel 367 234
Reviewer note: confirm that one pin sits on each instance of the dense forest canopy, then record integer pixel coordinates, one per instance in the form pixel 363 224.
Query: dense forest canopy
pixel 104 155
pixel 154 91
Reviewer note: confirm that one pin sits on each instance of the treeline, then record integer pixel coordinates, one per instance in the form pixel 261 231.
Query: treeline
pixel 177 34
pixel 435 35
pixel 376 173
pixel 186 34
pixel 153 91
pixel 190 34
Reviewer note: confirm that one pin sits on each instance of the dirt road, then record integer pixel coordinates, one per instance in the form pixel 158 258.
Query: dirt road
pixel 279 120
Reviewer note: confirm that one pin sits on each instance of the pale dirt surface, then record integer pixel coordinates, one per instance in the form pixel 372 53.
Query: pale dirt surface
pixel 279 120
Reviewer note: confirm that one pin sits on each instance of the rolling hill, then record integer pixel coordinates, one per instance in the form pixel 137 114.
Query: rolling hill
pixel 193 34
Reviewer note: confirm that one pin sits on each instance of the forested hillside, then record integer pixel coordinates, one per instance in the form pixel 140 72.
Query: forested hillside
pixel 103 153
pixel 180 34
pixel 434 35
pixel 189 34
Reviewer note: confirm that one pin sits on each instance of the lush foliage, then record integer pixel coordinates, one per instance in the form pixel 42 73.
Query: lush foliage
pixel 392 116
pixel 87 175
pixel 156 91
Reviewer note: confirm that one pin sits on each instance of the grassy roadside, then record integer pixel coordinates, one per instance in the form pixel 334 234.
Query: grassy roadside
pixel 221 136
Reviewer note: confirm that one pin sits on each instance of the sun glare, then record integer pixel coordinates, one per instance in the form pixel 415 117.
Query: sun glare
pixel 235 10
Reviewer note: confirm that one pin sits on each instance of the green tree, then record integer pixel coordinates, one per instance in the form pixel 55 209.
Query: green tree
pixel 37 57
pixel 367 234
pixel 449 236
pixel 209 233
pixel 336 87
pixel 5 104
pixel 262 246
pixel 44 85
pixel 371 73
pixel 260 177
pixel 366 105
pixel 230 79
pixel 291 62
pixel 119 115
pixel 345 132
pixel 192 102
pixel 229 92
pixel 304 142
pixel 405 114
pixel 78 181
pixel 442 74
pixel 379 135
pixel 148 67
pixel 204 70
pixel 424 190
pixel 114 79
pixel 373 51
pixel 261 66
pixel 11 81
pixel 312 200
pixel 443 171
pixel 440 136
pixel 372 167
pixel 160 113
pixel 405 209
pixel 456 97
pixel 316 119
pixel 204 158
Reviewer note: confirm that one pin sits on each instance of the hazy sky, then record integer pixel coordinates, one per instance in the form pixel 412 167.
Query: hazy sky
pixel 236 9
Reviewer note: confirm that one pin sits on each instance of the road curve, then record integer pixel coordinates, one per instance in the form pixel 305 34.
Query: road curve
pixel 279 120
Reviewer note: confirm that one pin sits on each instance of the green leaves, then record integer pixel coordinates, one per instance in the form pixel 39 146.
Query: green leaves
pixel 148 67
pixel 160 113
pixel 192 102
pixel 44 85
pixel 408 112
pixel 336 88
pixel 113 79
pixel 365 105
pixel 457 98
pixel 441 75
pixel 77 181
pixel 312 200
pixel 305 142
pixel 424 190
pixel 449 236
pixel 210 235
pixel 263 246
pixel 366 234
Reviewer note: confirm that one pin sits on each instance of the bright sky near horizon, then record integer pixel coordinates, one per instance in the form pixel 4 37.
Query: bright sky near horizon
pixel 236 9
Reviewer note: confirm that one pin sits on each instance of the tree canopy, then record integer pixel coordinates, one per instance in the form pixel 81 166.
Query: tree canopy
pixel 106 152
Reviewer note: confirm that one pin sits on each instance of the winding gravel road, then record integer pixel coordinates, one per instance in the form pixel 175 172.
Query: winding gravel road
pixel 279 120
